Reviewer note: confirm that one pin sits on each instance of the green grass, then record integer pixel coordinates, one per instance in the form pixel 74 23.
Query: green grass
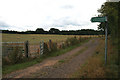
pixel 8 69
pixel 61 61
pixel 11 68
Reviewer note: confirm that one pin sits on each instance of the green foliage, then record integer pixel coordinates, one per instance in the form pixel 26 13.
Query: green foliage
pixel 5 61
pixel 71 41
pixel 61 61
pixel 54 47
pixel 54 31
pixel 40 31
pixel 110 9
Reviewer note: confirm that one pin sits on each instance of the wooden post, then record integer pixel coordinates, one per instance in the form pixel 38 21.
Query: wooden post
pixel 41 47
pixel 26 49
pixel 50 45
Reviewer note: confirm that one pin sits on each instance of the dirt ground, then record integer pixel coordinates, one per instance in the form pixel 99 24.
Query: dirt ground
pixel 61 66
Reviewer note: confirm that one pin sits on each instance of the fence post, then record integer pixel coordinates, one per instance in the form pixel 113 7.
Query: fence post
pixel 50 45
pixel 26 49
pixel 41 47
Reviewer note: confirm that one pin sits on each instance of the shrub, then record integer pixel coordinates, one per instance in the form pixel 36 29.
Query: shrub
pixel 63 46
pixel 71 41
pixel 5 61
pixel 67 42
pixel 54 47
pixel 16 56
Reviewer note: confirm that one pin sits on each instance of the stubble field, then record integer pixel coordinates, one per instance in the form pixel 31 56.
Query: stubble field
pixel 36 38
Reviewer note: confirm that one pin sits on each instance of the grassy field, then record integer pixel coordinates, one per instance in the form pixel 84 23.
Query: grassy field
pixel 36 38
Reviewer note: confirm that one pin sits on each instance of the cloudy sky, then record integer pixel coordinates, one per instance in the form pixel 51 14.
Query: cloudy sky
pixel 22 15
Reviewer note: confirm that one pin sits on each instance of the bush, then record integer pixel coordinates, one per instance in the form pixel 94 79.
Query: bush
pixel 67 42
pixel 63 46
pixel 71 41
pixel 54 47
pixel 5 61
pixel 16 56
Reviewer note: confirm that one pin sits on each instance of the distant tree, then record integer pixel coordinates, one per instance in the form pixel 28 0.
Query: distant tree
pixel 57 31
pixel 40 31
pixel 54 31
pixel 30 32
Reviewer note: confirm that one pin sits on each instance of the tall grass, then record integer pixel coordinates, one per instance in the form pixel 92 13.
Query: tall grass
pixel 95 66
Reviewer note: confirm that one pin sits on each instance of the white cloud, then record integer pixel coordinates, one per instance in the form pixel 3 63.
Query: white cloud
pixel 62 14
pixel 113 0
pixel 67 7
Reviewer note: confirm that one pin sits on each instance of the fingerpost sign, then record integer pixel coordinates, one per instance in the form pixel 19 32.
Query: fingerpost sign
pixel 102 19
pixel 98 19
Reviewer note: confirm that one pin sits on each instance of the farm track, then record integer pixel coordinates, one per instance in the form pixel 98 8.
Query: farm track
pixel 52 68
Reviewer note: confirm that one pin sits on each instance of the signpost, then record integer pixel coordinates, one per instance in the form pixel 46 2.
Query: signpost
pixel 102 19
pixel 98 19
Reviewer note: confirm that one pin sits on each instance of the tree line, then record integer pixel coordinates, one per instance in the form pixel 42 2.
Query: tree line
pixel 57 31
pixel 111 10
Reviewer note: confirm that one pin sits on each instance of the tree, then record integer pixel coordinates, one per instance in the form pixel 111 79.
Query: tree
pixel 54 31
pixel 39 31
pixel 110 9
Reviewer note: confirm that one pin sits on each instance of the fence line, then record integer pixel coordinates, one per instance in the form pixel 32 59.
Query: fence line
pixel 11 42
pixel 30 50
pixel 27 49
pixel 12 45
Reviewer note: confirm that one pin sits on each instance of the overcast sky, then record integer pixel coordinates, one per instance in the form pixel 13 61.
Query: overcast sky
pixel 22 15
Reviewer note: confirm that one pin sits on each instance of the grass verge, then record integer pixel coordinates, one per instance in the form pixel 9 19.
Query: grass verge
pixel 95 66
pixel 11 68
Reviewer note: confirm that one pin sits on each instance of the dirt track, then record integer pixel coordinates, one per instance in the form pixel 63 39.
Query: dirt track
pixel 61 66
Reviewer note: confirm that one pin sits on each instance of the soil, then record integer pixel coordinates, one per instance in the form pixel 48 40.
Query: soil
pixel 53 68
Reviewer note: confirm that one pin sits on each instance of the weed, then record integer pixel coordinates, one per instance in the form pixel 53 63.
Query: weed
pixel 61 61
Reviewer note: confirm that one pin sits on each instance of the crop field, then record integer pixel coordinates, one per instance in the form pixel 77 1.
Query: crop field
pixel 36 38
